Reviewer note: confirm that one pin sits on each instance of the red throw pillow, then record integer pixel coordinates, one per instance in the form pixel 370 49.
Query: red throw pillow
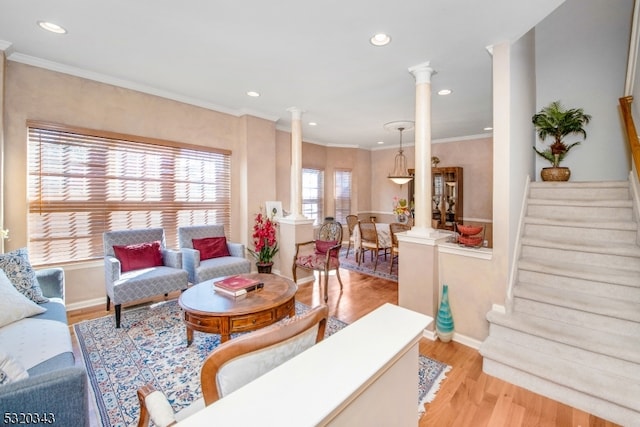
pixel 322 246
pixel 143 255
pixel 211 247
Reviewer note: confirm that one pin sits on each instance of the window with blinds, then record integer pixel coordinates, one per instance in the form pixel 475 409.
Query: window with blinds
pixel 84 182
pixel 313 194
pixel 342 194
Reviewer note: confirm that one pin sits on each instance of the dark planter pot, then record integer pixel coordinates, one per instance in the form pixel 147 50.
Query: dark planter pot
pixel 555 174
pixel 264 267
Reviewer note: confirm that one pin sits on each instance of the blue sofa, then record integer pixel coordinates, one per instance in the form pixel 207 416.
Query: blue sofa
pixel 56 388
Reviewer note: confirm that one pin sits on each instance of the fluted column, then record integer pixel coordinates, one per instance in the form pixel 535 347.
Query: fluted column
pixel 422 179
pixel 296 163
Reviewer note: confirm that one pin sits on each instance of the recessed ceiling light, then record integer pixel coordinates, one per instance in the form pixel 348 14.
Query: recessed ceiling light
pixel 253 93
pixel 50 26
pixel 488 128
pixel 444 92
pixel 313 124
pixel 380 39
pixel 380 142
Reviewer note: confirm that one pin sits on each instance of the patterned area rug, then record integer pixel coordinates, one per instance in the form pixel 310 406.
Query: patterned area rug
pixel 367 264
pixel 150 347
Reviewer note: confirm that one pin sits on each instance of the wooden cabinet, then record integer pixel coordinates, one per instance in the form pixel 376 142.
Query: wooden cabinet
pixel 447 197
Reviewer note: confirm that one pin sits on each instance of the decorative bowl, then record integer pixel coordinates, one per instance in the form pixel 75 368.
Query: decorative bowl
pixel 469 230
pixel 470 240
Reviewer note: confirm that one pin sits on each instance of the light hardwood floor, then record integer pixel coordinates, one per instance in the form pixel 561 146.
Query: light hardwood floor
pixel 467 397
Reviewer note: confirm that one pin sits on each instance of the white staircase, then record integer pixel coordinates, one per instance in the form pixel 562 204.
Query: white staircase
pixel 571 330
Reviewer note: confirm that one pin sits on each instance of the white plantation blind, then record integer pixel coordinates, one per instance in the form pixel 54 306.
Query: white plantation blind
pixel 84 182
pixel 342 195
pixel 313 194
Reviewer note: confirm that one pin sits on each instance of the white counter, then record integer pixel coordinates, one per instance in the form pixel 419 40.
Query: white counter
pixel 365 374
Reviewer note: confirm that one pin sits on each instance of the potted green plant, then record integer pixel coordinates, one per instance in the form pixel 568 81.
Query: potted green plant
pixel 557 122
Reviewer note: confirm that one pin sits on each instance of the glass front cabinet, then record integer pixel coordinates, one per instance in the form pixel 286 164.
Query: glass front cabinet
pixel 446 197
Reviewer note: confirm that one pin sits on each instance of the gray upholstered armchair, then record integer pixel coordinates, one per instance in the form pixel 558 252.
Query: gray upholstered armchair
pixel 137 265
pixel 223 258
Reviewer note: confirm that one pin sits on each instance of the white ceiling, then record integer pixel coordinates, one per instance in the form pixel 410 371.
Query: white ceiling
pixel 297 53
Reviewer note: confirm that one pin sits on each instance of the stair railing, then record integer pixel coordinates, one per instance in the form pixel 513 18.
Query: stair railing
pixel 634 145
pixel 513 271
pixel 630 127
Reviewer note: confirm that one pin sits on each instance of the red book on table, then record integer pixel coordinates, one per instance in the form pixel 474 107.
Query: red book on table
pixel 236 283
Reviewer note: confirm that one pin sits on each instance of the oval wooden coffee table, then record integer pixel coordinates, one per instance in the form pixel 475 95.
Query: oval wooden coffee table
pixel 215 313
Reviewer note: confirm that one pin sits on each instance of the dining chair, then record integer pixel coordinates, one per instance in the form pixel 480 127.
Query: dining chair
pixel 352 222
pixel 237 362
pixel 368 242
pixel 394 228
pixel 321 255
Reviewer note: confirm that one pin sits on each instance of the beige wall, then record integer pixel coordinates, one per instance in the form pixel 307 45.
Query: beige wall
pixel 328 159
pixel 261 158
pixel 35 93
pixel 475 156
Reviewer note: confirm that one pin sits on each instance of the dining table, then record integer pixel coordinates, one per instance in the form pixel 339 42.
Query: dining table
pixel 384 236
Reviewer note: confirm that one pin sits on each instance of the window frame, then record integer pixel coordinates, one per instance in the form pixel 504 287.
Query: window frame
pixel 316 214
pixel 341 211
pixel 102 180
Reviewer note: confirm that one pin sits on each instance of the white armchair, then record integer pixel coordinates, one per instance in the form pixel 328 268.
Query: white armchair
pixel 142 268
pixel 201 267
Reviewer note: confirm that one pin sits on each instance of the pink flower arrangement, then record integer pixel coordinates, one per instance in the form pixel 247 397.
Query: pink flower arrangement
pixel 264 239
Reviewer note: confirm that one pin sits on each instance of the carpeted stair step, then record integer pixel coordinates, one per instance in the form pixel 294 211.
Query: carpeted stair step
pixel 586 244
pixel 574 284
pixel 611 210
pixel 596 190
pixel 581 271
pixel 620 389
pixel 607 254
pixel 597 322
pixel 609 396
pixel 611 351
pixel 609 307
pixel 573 315
pixel 571 229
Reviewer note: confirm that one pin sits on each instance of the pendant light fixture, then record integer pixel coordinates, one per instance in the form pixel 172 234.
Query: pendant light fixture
pixel 400 174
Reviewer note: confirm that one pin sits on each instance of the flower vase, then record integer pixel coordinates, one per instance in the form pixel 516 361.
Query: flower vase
pixel 402 218
pixel 444 318
pixel 264 267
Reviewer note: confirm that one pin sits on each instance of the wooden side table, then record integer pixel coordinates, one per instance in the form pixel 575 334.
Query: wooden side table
pixel 215 313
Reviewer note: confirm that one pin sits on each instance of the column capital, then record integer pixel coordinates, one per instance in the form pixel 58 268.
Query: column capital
pixel 422 72
pixel 296 113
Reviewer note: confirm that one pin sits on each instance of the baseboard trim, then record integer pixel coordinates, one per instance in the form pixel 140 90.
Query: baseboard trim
pixel 306 280
pixel 86 304
pixel 459 338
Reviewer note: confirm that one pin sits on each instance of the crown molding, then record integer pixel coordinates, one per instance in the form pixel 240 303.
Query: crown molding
pixel 103 78
pixel 462 138
pixel 6 47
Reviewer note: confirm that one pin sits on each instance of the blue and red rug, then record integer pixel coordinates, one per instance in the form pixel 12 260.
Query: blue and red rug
pixel 150 347
pixel 367 265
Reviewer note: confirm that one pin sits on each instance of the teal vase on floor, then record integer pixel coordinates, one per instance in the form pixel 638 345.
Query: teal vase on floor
pixel 444 318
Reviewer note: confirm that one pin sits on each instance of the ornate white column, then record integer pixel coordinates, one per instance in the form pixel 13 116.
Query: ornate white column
pixel 296 164
pixel 422 179
pixel 295 227
pixel 418 276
